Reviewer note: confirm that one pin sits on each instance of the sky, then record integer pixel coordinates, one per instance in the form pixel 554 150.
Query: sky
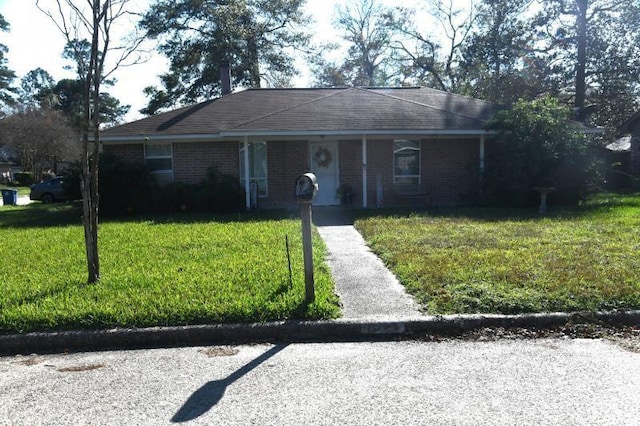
pixel 34 41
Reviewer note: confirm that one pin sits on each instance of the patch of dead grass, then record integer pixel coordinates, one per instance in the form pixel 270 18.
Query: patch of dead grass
pixel 219 351
pixel 79 368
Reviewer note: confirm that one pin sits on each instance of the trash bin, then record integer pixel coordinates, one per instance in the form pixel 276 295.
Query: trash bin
pixel 9 197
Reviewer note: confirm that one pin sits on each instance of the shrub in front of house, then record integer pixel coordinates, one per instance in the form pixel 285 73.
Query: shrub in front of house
pixel 175 197
pixel 128 187
pixel 219 192
pixel 537 145
pixel 125 187
pixel 71 181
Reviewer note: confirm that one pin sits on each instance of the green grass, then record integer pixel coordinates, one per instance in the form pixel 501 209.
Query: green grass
pixel 192 269
pixel 510 261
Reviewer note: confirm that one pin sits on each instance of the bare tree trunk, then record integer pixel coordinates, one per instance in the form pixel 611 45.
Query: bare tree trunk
pixel 252 45
pixel 89 218
pixel 72 17
pixel 90 195
pixel 581 63
pixel 90 206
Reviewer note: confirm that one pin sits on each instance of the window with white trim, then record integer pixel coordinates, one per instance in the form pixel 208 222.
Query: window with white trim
pixel 406 162
pixel 257 166
pixel 159 160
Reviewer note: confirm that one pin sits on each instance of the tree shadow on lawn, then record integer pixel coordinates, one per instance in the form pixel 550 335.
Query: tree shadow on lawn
pixel 37 215
pixel 602 203
pixel 32 297
pixel 37 296
pixel 211 393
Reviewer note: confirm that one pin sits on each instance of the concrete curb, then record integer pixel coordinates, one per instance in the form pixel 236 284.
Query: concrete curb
pixel 294 331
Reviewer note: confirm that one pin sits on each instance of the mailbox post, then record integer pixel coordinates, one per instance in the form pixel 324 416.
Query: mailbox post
pixel 306 190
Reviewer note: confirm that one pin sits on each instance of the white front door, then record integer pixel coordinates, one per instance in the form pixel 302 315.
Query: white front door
pixel 324 164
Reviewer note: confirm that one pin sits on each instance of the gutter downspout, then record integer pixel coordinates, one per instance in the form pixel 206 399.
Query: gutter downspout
pixel 247 184
pixel 364 171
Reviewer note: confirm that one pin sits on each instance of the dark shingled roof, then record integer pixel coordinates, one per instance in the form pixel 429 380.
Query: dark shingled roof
pixel 256 111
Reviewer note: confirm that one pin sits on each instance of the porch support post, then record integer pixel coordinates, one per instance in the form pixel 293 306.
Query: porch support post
pixel 364 171
pixel 247 184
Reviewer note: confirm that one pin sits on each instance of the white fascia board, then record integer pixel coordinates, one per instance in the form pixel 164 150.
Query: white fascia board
pixel 314 133
pixel 289 134
pixel 158 138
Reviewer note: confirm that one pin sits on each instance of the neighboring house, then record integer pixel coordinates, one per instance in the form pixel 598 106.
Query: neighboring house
pixel 618 157
pixel 393 146
pixel 632 127
pixel 6 170
pixel 7 167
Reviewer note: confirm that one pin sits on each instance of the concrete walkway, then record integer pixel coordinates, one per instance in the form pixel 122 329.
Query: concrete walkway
pixel 367 289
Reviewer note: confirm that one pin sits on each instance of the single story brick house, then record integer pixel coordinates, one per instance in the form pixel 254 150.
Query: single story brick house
pixel 393 146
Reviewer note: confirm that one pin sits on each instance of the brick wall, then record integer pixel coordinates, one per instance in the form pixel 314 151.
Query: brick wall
pixel 191 160
pixel 286 160
pixel 380 167
pixel 350 164
pixel 449 169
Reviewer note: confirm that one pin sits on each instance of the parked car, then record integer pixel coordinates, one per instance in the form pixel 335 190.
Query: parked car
pixel 48 191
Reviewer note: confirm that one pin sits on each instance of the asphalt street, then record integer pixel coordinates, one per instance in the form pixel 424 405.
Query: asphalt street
pixel 556 381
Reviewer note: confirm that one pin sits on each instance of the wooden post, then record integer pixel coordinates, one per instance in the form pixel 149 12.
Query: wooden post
pixel 309 283
pixel 306 190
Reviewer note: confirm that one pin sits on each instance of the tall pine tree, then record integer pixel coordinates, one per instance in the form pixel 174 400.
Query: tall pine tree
pixel 256 37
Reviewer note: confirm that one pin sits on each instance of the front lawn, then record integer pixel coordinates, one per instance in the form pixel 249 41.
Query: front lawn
pixel 191 269
pixel 511 261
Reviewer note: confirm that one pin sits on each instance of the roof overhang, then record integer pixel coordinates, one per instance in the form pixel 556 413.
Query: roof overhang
pixel 292 134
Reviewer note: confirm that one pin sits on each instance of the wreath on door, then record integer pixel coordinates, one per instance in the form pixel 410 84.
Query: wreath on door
pixel 322 157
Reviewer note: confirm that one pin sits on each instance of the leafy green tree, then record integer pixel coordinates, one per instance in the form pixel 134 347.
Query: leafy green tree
pixel 6 75
pixel 69 93
pixel 67 96
pixel 256 37
pixel 535 145
pixel 594 44
pixel 34 87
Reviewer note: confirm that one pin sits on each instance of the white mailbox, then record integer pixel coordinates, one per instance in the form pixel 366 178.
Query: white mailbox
pixel 306 188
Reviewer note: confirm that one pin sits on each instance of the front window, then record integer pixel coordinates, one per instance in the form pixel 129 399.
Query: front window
pixel 159 159
pixel 257 166
pixel 406 162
